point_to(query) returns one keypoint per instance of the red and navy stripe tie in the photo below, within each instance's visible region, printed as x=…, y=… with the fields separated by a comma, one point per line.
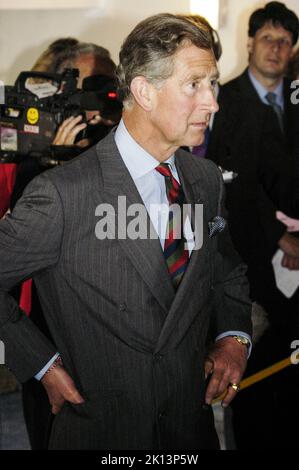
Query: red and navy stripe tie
x=176, y=256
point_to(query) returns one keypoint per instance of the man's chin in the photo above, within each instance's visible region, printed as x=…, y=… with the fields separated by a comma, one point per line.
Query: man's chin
x=197, y=142
x=194, y=139
x=273, y=73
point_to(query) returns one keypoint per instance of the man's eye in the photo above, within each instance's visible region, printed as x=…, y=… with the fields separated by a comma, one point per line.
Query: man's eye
x=284, y=42
x=192, y=87
x=214, y=82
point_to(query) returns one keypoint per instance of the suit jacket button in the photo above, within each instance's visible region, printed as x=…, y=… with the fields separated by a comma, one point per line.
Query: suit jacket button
x=158, y=357
x=122, y=307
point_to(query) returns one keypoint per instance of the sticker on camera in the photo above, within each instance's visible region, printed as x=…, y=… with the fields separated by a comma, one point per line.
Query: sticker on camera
x=8, y=137
x=32, y=115
x=31, y=129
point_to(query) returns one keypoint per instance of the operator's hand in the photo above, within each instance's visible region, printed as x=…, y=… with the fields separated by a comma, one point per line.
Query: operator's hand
x=226, y=363
x=60, y=388
x=68, y=131
x=94, y=117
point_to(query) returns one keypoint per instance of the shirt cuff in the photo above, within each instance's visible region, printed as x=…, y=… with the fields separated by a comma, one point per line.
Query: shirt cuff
x=41, y=373
x=236, y=333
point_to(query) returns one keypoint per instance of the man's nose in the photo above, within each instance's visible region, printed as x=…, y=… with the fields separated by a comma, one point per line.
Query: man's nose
x=214, y=104
x=275, y=45
x=206, y=100
x=211, y=101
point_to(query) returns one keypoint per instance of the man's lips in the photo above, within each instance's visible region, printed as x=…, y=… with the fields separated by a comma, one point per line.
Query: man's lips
x=200, y=125
x=273, y=61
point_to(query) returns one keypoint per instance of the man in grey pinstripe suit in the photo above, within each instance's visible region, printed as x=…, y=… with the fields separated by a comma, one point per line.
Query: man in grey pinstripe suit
x=128, y=364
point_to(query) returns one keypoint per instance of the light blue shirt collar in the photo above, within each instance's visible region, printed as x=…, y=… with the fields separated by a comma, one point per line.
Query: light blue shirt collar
x=262, y=91
x=137, y=160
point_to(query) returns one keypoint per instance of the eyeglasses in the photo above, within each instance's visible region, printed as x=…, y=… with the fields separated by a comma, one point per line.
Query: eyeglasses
x=281, y=43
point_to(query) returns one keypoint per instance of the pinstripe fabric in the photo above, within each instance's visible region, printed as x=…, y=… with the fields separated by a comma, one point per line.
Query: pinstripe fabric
x=133, y=347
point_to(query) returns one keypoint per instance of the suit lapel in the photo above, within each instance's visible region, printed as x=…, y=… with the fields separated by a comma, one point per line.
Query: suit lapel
x=145, y=254
x=193, y=196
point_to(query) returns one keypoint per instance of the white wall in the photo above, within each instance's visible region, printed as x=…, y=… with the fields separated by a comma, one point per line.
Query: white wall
x=24, y=34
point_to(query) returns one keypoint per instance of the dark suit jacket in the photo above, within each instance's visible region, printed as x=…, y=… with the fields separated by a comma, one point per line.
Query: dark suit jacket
x=134, y=348
x=296, y=165
x=246, y=138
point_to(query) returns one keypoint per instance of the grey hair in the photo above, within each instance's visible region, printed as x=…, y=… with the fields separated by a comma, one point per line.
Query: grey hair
x=150, y=48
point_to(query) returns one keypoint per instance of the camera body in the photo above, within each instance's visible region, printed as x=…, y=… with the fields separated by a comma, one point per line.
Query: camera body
x=29, y=121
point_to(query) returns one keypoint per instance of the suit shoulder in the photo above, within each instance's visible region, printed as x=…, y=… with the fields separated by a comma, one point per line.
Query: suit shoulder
x=85, y=168
x=205, y=165
x=199, y=167
x=237, y=85
x=232, y=84
x=76, y=171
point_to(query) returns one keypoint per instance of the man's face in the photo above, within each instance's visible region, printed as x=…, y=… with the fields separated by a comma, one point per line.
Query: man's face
x=88, y=64
x=184, y=103
x=270, y=51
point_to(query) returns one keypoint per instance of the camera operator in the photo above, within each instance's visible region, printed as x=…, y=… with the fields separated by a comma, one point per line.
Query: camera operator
x=90, y=60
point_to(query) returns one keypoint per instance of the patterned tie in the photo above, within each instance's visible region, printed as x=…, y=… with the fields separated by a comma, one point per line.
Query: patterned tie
x=175, y=254
x=271, y=98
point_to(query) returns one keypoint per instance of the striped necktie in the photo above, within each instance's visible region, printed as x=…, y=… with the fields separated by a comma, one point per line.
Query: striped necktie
x=176, y=256
x=272, y=100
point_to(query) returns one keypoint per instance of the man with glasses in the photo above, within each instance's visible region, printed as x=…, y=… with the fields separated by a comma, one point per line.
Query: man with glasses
x=253, y=135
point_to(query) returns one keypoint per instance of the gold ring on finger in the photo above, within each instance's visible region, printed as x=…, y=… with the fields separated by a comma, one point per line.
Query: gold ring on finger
x=235, y=387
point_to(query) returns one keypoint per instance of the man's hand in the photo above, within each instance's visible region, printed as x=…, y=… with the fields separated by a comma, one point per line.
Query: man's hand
x=290, y=247
x=226, y=363
x=289, y=262
x=60, y=388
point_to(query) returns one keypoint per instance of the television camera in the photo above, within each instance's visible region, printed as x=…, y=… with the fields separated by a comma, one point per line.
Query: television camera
x=38, y=103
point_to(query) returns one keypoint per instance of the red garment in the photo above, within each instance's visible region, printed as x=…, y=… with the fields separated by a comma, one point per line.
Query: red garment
x=7, y=181
x=25, y=297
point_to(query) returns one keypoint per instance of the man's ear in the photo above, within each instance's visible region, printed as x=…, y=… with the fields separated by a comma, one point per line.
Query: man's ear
x=250, y=45
x=141, y=89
